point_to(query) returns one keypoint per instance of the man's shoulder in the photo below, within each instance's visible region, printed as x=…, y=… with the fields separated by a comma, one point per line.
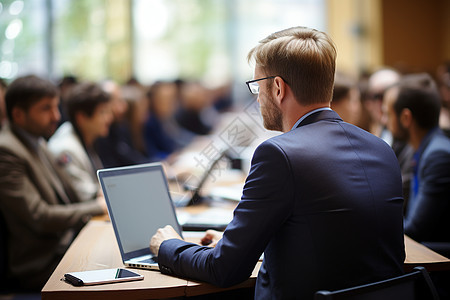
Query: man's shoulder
x=317, y=129
x=9, y=141
x=5, y=133
x=278, y=141
x=441, y=140
x=285, y=144
x=13, y=151
x=438, y=145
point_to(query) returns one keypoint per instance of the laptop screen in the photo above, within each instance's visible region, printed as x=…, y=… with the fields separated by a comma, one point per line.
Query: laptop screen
x=138, y=203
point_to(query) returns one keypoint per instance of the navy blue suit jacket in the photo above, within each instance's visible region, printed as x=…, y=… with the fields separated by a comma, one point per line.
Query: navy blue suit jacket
x=324, y=204
x=427, y=218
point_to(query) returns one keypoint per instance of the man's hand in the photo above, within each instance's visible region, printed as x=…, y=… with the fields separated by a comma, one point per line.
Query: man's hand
x=101, y=200
x=160, y=236
x=211, y=238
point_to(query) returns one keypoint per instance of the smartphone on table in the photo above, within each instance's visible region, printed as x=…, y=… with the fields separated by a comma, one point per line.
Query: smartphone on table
x=101, y=276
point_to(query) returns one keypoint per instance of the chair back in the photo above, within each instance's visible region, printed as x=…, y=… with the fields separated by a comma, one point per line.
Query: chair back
x=416, y=285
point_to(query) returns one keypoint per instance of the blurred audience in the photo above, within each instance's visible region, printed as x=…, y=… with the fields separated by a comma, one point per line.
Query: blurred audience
x=118, y=149
x=413, y=115
x=65, y=85
x=222, y=99
x=377, y=84
x=41, y=209
x=363, y=83
x=89, y=117
x=346, y=98
x=137, y=114
x=196, y=113
x=159, y=130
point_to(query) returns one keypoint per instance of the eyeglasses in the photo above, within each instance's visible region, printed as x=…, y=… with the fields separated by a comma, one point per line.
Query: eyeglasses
x=253, y=86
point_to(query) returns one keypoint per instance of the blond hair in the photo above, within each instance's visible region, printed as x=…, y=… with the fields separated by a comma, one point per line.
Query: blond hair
x=305, y=58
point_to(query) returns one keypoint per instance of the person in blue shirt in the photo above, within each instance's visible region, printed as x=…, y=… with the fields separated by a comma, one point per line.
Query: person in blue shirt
x=413, y=108
x=160, y=131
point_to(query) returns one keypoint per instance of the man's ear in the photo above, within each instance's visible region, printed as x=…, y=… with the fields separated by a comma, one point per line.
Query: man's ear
x=279, y=89
x=406, y=118
x=18, y=115
x=80, y=118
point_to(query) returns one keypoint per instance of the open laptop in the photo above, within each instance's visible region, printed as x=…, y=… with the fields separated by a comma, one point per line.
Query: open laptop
x=139, y=203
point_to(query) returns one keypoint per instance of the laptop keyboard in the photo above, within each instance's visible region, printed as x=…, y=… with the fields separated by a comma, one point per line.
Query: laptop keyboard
x=151, y=260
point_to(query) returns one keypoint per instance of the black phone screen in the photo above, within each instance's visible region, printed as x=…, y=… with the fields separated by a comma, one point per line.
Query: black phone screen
x=101, y=276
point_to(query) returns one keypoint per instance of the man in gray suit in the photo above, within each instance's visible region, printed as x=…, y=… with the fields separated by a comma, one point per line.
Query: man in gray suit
x=41, y=210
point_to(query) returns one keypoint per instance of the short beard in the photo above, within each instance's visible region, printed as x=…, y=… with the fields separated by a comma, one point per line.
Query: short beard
x=272, y=116
x=402, y=133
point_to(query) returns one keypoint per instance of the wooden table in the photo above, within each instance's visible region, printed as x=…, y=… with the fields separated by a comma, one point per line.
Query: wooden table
x=96, y=248
x=419, y=255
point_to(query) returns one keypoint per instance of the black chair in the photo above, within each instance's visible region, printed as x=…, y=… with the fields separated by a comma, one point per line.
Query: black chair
x=8, y=288
x=415, y=285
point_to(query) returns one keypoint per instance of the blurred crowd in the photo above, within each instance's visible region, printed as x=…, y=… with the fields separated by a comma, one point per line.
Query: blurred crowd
x=105, y=124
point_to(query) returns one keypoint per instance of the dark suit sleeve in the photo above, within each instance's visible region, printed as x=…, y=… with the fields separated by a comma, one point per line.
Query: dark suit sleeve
x=432, y=200
x=266, y=203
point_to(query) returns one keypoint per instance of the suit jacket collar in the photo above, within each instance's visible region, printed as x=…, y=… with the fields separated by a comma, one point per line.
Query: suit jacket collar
x=29, y=140
x=319, y=116
x=15, y=142
x=427, y=139
x=12, y=139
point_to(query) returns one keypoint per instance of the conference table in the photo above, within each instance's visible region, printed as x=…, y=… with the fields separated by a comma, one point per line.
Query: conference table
x=95, y=248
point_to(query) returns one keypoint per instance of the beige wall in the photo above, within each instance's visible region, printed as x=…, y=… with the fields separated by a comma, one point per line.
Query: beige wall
x=413, y=35
x=355, y=26
x=118, y=38
x=414, y=32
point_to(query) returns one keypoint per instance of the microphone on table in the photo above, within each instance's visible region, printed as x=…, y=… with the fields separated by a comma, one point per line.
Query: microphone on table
x=196, y=197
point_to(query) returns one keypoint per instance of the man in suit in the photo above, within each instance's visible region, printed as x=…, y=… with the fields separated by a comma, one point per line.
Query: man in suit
x=314, y=201
x=40, y=208
x=413, y=108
